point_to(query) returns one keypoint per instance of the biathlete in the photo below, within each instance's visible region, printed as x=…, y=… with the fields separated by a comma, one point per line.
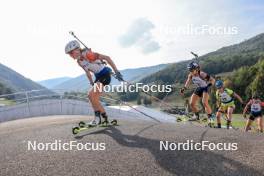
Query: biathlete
x=93, y=62
x=202, y=81
x=255, y=105
x=225, y=103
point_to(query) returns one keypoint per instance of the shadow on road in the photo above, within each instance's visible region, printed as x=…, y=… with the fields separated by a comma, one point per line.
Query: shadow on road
x=182, y=162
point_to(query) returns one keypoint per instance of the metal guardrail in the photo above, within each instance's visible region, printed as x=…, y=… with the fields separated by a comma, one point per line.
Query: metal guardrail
x=33, y=95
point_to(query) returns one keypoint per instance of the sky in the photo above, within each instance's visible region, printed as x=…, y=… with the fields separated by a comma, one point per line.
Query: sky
x=137, y=33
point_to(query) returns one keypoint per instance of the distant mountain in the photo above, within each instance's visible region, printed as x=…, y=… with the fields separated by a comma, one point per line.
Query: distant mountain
x=51, y=83
x=136, y=74
x=15, y=81
x=80, y=83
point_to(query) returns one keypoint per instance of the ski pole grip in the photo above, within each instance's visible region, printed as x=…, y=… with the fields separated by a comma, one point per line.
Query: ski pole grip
x=71, y=32
x=195, y=55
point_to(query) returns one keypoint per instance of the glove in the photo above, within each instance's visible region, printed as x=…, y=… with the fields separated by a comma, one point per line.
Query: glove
x=182, y=90
x=118, y=76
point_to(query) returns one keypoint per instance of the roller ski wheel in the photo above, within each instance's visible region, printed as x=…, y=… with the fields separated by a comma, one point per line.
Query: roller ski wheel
x=179, y=120
x=82, y=124
x=75, y=130
x=204, y=120
x=114, y=122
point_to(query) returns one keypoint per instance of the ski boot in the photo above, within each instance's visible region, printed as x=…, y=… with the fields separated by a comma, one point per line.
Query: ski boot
x=228, y=124
x=95, y=122
x=196, y=117
x=211, y=118
x=211, y=123
x=219, y=125
x=105, y=119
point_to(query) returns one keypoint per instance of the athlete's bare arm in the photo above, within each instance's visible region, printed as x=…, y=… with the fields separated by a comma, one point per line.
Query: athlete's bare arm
x=246, y=108
x=187, y=83
x=238, y=97
x=89, y=76
x=108, y=60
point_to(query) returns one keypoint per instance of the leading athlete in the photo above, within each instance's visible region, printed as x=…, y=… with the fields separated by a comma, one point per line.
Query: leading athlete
x=94, y=63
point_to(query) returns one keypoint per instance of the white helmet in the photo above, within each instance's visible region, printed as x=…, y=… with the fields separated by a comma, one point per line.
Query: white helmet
x=72, y=45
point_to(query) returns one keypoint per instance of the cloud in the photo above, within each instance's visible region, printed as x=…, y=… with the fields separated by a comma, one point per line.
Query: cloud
x=150, y=46
x=139, y=35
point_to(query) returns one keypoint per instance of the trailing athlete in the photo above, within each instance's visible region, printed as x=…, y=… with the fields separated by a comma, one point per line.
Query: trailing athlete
x=225, y=103
x=255, y=105
x=202, y=81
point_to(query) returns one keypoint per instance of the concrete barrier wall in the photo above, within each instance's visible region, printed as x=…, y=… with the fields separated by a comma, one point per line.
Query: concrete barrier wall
x=57, y=107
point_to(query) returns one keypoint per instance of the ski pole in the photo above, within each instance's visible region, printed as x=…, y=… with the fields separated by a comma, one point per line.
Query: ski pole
x=71, y=32
x=131, y=106
x=196, y=56
x=156, y=98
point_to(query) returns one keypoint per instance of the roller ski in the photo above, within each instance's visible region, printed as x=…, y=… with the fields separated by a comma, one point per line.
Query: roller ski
x=196, y=118
x=205, y=121
x=97, y=122
x=84, y=126
x=211, y=122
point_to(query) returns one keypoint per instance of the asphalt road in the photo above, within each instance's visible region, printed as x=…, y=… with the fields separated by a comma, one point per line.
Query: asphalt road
x=132, y=148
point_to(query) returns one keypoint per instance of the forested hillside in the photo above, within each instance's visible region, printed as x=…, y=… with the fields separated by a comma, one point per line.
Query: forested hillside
x=226, y=59
x=241, y=65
